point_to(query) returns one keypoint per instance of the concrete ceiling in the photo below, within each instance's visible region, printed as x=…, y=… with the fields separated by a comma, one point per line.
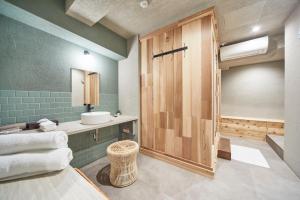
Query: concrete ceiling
x=129, y=16
x=89, y=11
x=235, y=17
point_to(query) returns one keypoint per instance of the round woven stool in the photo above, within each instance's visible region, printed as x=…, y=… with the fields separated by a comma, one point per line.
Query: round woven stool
x=123, y=168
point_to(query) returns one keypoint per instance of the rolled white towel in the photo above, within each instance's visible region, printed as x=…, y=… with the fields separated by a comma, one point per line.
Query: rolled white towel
x=46, y=128
x=32, y=163
x=14, y=143
x=47, y=125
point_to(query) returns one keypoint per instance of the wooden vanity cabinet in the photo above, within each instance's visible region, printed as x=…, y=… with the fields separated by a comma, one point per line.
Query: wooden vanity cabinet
x=179, y=93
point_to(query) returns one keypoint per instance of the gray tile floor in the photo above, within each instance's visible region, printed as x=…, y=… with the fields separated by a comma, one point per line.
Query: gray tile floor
x=234, y=179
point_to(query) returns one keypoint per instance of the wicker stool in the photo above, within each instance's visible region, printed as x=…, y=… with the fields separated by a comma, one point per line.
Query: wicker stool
x=122, y=156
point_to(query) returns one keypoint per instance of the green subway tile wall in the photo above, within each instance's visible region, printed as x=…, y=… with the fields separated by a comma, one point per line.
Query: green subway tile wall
x=86, y=149
x=35, y=82
x=16, y=107
x=28, y=106
x=32, y=60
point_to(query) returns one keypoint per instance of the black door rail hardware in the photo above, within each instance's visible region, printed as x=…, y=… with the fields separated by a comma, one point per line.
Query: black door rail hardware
x=169, y=52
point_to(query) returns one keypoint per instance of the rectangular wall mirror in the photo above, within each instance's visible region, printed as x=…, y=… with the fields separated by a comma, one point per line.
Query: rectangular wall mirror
x=85, y=87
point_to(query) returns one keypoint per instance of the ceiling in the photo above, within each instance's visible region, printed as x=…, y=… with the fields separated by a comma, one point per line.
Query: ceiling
x=235, y=17
x=136, y=20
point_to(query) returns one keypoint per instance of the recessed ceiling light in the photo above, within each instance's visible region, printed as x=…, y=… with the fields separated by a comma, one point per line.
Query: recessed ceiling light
x=255, y=28
x=144, y=3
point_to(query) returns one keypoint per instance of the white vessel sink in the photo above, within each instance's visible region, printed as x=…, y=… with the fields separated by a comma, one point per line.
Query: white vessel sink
x=91, y=118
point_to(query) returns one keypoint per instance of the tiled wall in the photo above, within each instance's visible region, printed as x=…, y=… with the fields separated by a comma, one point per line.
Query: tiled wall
x=86, y=149
x=28, y=106
x=35, y=82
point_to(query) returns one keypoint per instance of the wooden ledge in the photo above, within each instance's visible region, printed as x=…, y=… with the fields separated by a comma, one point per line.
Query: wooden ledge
x=253, y=119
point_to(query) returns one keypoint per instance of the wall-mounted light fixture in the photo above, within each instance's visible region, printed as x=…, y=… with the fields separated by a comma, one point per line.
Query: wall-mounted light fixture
x=87, y=59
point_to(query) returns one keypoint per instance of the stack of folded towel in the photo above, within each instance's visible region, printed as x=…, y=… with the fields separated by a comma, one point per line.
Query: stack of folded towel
x=27, y=154
x=47, y=125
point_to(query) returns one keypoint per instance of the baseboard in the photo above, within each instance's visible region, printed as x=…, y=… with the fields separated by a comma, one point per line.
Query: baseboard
x=199, y=169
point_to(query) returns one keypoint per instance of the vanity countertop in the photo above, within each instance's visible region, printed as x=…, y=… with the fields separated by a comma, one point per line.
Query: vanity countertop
x=75, y=127
x=67, y=185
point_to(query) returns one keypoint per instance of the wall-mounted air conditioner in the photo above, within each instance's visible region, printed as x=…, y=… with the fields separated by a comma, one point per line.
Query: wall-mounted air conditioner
x=244, y=49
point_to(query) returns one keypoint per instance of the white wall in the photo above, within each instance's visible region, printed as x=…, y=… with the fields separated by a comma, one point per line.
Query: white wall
x=292, y=91
x=129, y=80
x=255, y=90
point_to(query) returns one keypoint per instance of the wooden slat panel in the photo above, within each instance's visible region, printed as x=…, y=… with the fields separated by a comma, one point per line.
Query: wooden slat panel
x=176, y=93
x=178, y=147
x=250, y=128
x=87, y=99
x=250, y=122
x=206, y=68
x=160, y=139
x=167, y=39
x=144, y=121
x=244, y=134
x=162, y=85
x=195, y=58
x=178, y=75
x=244, y=126
x=205, y=142
x=150, y=114
x=276, y=131
x=195, y=152
x=94, y=89
x=170, y=122
x=186, y=147
x=275, y=124
x=144, y=57
x=156, y=93
x=149, y=55
x=169, y=65
x=186, y=84
x=144, y=117
x=170, y=142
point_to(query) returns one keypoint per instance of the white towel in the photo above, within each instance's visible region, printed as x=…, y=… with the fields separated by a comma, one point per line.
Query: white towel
x=32, y=163
x=47, y=125
x=14, y=143
x=46, y=128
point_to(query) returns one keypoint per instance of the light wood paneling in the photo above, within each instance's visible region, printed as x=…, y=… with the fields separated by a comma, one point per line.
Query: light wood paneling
x=250, y=127
x=87, y=94
x=91, y=88
x=177, y=92
x=94, y=89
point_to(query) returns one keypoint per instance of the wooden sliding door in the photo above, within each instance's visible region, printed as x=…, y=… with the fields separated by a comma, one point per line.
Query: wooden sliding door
x=177, y=92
